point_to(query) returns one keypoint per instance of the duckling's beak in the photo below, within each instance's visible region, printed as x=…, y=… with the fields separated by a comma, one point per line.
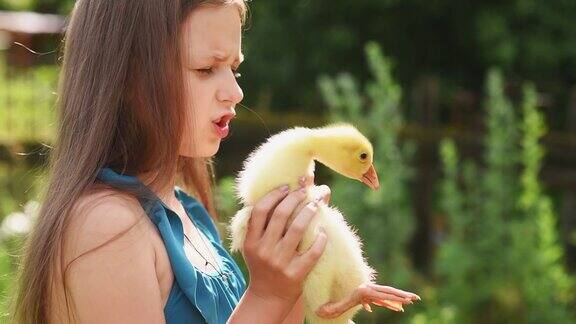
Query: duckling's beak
x=370, y=178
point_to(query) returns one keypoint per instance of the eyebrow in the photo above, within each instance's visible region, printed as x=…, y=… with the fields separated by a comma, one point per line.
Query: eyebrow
x=220, y=56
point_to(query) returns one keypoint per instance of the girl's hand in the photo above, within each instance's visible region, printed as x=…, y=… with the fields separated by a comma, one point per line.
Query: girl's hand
x=276, y=268
x=321, y=192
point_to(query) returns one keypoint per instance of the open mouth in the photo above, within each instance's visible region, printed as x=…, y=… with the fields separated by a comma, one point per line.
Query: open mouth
x=222, y=122
x=221, y=128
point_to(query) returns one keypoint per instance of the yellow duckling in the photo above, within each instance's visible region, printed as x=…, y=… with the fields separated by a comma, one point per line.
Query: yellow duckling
x=341, y=279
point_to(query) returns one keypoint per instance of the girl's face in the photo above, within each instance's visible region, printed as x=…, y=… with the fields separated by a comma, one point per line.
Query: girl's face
x=212, y=42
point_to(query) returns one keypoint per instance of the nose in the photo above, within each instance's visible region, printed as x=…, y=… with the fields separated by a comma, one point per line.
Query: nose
x=230, y=91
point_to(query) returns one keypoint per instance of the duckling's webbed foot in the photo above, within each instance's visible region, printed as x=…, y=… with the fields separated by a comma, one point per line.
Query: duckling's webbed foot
x=366, y=294
x=334, y=309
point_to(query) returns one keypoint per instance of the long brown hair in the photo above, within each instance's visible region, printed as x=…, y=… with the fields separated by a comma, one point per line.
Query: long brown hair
x=120, y=102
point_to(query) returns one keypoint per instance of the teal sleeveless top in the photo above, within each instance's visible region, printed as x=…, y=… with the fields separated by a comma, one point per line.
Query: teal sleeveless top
x=195, y=296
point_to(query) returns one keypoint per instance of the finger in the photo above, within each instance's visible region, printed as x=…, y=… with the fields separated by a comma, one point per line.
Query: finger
x=301, y=206
x=296, y=211
x=280, y=216
x=392, y=290
x=306, y=180
x=270, y=213
x=261, y=210
x=321, y=192
x=324, y=193
x=304, y=263
x=296, y=230
x=303, y=181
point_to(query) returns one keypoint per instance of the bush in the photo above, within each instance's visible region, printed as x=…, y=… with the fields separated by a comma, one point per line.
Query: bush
x=501, y=261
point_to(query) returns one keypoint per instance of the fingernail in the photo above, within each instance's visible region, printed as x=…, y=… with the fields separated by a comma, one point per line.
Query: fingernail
x=302, y=179
x=284, y=188
x=303, y=190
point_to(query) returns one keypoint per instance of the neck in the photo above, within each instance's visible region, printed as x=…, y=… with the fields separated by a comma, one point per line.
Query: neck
x=317, y=147
x=321, y=146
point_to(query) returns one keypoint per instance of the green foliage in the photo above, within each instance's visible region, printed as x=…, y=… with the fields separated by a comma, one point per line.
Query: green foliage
x=26, y=117
x=501, y=260
x=289, y=43
x=225, y=199
x=49, y=6
x=546, y=284
x=6, y=280
x=18, y=184
x=454, y=262
x=27, y=104
x=384, y=217
x=10, y=249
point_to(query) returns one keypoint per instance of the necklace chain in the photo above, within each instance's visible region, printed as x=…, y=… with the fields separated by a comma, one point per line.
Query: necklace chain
x=220, y=273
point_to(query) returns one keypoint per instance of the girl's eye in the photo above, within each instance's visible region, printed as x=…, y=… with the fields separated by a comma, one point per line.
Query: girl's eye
x=208, y=71
x=205, y=71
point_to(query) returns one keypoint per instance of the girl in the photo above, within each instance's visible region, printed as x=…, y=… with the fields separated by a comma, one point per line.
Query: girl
x=146, y=93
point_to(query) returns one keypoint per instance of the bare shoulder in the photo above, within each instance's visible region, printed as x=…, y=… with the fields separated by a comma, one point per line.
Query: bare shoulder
x=110, y=261
x=102, y=216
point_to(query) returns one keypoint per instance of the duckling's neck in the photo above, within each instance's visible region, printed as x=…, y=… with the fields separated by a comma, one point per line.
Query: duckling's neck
x=321, y=147
x=310, y=146
x=303, y=151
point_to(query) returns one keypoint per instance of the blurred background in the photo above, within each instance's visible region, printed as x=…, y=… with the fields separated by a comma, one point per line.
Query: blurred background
x=470, y=105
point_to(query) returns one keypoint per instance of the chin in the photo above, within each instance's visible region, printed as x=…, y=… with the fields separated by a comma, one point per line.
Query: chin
x=215, y=151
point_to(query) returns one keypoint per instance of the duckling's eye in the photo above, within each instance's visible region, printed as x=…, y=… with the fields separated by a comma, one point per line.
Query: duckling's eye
x=363, y=156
